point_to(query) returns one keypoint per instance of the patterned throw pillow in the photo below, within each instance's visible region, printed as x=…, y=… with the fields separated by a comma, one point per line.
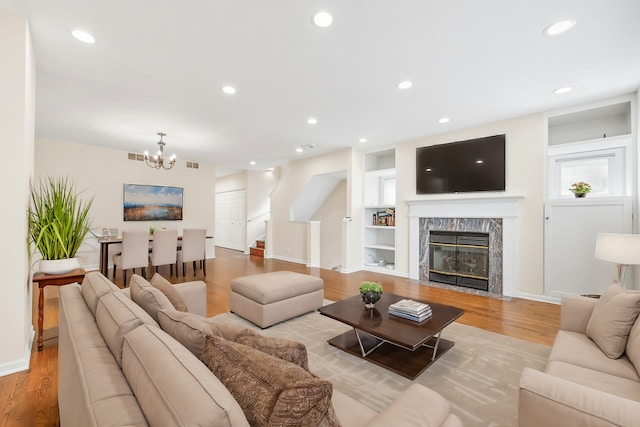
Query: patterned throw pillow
x=162, y=284
x=270, y=391
x=284, y=349
x=612, y=318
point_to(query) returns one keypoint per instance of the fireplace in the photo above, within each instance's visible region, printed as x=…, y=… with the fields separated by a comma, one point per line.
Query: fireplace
x=459, y=258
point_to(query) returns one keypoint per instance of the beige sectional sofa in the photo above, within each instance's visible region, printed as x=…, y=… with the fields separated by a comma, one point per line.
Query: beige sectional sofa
x=591, y=377
x=117, y=367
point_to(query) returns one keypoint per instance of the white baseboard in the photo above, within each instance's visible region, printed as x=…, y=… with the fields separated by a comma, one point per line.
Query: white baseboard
x=349, y=270
x=541, y=298
x=297, y=261
x=21, y=364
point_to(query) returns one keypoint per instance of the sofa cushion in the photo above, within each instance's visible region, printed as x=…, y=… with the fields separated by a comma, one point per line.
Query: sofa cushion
x=612, y=318
x=633, y=345
x=284, y=349
x=577, y=349
x=148, y=297
x=188, y=329
x=94, y=286
x=172, y=386
x=117, y=315
x=608, y=383
x=164, y=286
x=270, y=391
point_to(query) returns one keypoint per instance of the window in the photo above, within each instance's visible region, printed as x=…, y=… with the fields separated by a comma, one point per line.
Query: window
x=603, y=164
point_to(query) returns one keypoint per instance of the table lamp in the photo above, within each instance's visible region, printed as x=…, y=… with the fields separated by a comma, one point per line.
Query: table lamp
x=623, y=249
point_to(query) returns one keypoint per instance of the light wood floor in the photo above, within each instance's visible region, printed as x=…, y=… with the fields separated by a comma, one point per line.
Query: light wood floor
x=29, y=398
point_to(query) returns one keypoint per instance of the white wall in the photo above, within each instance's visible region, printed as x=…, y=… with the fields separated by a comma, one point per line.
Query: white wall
x=290, y=239
x=525, y=177
x=235, y=182
x=101, y=172
x=17, y=86
x=330, y=216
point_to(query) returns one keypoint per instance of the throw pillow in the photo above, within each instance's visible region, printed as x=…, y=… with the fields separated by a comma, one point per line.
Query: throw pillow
x=612, y=318
x=633, y=345
x=188, y=329
x=162, y=284
x=270, y=391
x=148, y=297
x=284, y=349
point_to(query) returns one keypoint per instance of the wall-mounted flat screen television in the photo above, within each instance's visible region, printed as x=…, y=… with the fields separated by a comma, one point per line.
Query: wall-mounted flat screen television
x=152, y=203
x=463, y=166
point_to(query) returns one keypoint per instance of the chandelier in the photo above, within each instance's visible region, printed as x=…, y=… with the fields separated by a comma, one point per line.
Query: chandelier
x=157, y=161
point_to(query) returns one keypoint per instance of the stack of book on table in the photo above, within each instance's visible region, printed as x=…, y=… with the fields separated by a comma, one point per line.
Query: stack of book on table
x=412, y=310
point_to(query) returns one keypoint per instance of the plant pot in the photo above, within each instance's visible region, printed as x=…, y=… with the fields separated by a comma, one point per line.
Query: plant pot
x=581, y=195
x=370, y=298
x=58, y=266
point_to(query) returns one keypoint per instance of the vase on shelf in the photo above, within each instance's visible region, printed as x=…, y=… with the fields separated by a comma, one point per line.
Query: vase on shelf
x=581, y=195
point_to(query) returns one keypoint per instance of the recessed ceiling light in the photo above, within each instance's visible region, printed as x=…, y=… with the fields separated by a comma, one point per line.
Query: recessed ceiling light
x=559, y=27
x=312, y=120
x=322, y=19
x=229, y=90
x=405, y=84
x=252, y=163
x=427, y=170
x=83, y=36
x=479, y=162
x=362, y=140
x=563, y=90
x=299, y=150
x=444, y=120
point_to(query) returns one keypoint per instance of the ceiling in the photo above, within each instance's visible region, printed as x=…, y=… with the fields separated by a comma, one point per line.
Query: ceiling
x=159, y=66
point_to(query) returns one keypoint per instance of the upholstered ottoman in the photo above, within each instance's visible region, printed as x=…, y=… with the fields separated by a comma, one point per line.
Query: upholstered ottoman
x=269, y=298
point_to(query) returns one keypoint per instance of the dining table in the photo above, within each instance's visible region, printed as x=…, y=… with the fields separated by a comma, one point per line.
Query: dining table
x=106, y=241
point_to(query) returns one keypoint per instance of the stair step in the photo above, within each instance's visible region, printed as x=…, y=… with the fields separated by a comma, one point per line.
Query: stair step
x=258, y=252
x=260, y=244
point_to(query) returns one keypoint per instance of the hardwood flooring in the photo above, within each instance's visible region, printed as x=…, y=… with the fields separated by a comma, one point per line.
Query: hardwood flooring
x=29, y=398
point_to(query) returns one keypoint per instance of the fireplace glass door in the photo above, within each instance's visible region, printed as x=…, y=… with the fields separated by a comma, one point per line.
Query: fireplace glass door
x=459, y=259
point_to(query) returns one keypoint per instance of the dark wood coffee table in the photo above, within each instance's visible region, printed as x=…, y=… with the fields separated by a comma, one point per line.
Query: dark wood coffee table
x=402, y=346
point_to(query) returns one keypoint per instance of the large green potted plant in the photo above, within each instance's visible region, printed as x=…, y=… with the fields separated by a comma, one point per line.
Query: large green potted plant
x=58, y=221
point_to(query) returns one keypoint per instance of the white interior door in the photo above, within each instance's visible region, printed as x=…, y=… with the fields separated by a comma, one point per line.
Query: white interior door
x=571, y=228
x=231, y=219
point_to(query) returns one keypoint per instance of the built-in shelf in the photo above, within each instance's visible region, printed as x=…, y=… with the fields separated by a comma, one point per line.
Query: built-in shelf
x=379, y=243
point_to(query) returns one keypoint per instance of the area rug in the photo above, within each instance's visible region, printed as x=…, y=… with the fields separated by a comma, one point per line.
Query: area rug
x=479, y=375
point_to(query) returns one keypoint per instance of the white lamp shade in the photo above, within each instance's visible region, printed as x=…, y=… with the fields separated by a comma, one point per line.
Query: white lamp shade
x=618, y=248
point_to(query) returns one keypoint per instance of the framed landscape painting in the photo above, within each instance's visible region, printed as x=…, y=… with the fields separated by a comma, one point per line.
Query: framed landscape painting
x=152, y=203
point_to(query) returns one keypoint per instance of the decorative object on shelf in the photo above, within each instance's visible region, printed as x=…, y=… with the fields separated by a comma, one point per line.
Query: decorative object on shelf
x=151, y=230
x=580, y=189
x=370, y=293
x=58, y=221
x=623, y=249
x=157, y=161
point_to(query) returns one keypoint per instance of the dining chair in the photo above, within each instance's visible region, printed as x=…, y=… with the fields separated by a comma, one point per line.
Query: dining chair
x=193, y=249
x=135, y=253
x=164, y=249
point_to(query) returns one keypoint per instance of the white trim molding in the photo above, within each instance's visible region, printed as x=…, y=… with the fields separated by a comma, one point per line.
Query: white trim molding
x=21, y=364
x=492, y=206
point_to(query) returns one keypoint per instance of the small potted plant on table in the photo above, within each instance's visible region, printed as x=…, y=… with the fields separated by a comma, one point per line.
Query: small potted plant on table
x=371, y=293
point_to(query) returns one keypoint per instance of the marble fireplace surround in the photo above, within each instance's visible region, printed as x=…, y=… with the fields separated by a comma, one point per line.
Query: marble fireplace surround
x=489, y=207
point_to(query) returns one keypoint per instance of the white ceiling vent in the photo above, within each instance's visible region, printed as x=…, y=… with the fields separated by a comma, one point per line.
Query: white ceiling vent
x=193, y=165
x=135, y=156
